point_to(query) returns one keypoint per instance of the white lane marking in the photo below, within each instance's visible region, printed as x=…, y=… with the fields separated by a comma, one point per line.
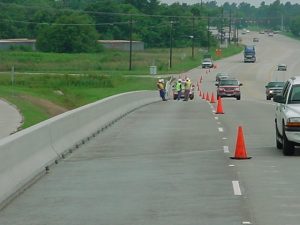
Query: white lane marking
x=236, y=187
x=216, y=118
x=231, y=165
x=226, y=149
x=221, y=129
x=246, y=222
x=224, y=138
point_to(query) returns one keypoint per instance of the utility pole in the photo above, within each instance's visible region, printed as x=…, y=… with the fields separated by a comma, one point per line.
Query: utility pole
x=130, y=45
x=171, y=42
x=236, y=29
x=229, y=35
x=222, y=21
x=237, y=32
x=282, y=27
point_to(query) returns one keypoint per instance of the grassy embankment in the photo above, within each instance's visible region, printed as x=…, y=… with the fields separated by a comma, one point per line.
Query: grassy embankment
x=102, y=75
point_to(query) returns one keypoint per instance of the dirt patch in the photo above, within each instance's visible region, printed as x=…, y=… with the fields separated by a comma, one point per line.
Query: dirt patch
x=51, y=108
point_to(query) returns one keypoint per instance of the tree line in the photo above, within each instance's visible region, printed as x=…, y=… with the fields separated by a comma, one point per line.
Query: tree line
x=76, y=25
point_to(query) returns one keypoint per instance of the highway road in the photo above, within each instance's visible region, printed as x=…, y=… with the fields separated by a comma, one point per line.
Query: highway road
x=10, y=119
x=169, y=163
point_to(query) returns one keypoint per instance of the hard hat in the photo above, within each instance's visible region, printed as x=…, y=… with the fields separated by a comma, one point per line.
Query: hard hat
x=179, y=80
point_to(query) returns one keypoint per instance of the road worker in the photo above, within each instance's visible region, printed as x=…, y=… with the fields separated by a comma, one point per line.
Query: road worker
x=178, y=89
x=161, y=88
x=187, y=89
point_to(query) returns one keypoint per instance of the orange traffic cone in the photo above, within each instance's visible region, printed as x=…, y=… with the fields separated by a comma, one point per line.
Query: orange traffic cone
x=207, y=96
x=212, y=99
x=219, y=106
x=240, y=149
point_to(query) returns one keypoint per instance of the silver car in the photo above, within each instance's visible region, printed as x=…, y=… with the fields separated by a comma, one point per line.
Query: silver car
x=282, y=67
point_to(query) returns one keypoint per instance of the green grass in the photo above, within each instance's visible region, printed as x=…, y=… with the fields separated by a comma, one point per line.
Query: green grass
x=78, y=92
x=105, y=63
x=103, y=76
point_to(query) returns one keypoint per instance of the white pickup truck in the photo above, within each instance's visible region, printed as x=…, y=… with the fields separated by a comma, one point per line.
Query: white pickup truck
x=287, y=121
x=207, y=63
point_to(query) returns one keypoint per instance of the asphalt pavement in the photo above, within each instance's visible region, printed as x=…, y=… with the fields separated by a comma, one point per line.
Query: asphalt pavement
x=10, y=119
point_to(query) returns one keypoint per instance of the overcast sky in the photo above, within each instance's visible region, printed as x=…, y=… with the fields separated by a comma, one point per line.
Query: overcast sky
x=220, y=2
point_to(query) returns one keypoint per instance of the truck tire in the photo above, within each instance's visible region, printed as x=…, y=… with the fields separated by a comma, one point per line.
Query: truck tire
x=238, y=98
x=288, y=148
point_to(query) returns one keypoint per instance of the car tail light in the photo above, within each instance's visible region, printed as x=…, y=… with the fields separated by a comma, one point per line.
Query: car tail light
x=293, y=122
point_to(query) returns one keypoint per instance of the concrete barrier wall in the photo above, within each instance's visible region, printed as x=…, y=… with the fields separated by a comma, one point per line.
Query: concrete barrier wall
x=25, y=154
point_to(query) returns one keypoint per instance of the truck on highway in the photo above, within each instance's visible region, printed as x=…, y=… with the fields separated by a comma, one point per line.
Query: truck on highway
x=249, y=53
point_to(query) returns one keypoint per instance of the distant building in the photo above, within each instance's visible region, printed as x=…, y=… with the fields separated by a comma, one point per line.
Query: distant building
x=122, y=45
x=6, y=44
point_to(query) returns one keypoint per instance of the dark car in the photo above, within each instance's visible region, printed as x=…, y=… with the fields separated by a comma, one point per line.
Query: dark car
x=273, y=88
x=229, y=88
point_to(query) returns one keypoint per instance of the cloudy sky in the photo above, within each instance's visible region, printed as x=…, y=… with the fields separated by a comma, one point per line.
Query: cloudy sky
x=220, y=2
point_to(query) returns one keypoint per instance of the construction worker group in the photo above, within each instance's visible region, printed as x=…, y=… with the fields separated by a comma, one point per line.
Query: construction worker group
x=183, y=88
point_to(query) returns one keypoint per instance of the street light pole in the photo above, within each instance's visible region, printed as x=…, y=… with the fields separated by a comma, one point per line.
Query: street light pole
x=171, y=42
x=208, y=33
x=193, y=38
x=130, y=45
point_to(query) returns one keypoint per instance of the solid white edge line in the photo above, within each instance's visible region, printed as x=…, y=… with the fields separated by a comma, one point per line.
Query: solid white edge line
x=236, y=187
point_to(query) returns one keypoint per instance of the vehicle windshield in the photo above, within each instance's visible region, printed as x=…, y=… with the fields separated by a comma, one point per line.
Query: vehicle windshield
x=229, y=83
x=275, y=84
x=295, y=94
x=207, y=60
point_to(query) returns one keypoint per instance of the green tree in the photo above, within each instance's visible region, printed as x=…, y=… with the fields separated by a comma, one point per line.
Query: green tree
x=70, y=33
x=295, y=26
